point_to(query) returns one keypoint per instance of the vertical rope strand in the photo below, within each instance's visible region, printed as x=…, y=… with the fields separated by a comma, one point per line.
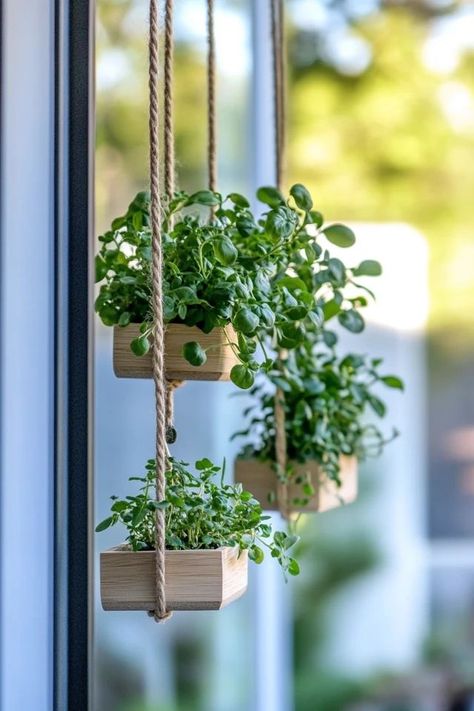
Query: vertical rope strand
x=160, y=612
x=169, y=161
x=277, y=43
x=211, y=98
x=169, y=169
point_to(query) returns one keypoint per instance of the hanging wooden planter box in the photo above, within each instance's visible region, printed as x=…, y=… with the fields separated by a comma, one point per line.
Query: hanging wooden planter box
x=261, y=480
x=220, y=356
x=195, y=579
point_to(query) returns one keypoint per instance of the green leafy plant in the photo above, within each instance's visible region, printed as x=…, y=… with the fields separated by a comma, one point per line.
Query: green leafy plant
x=327, y=402
x=270, y=278
x=199, y=513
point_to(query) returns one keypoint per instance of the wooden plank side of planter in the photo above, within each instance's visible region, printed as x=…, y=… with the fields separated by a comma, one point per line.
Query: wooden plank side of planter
x=220, y=356
x=195, y=580
x=260, y=479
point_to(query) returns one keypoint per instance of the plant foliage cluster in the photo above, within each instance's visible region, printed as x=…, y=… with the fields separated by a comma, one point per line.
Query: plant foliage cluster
x=275, y=282
x=270, y=278
x=200, y=513
x=327, y=402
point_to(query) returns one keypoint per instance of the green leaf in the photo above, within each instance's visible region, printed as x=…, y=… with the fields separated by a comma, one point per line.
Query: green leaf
x=239, y=200
x=203, y=464
x=302, y=197
x=256, y=554
x=225, y=251
x=329, y=338
x=280, y=223
x=140, y=346
x=292, y=283
x=124, y=319
x=393, y=382
x=242, y=376
x=203, y=197
x=337, y=269
x=138, y=516
x=101, y=268
x=246, y=321
x=270, y=196
x=194, y=353
x=340, y=235
x=377, y=405
x=330, y=309
x=351, y=320
x=106, y=523
x=293, y=567
x=369, y=267
x=316, y=218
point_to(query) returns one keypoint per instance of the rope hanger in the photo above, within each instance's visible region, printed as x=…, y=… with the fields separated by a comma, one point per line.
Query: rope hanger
x=277, y=44
x=160, y=611
x=163, y=388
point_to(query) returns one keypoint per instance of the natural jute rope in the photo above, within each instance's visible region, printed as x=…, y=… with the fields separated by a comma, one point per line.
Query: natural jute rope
x=160, y=612
x=169, y=174
x=211, y=98
x=169, y=162
x=277, y=42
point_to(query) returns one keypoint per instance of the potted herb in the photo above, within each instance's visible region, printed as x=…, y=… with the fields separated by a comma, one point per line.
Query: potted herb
x=211, y=529
x=232, y=283
x=327, y=403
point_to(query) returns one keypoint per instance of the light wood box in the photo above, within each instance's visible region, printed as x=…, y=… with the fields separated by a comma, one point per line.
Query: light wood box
x=220, y=358
x=261, y=480
x=195, y=579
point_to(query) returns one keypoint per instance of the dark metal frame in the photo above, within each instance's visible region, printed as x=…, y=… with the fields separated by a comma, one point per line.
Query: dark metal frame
x=73, y=403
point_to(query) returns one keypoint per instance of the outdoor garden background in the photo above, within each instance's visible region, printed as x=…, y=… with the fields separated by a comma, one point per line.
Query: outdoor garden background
x=381, y=130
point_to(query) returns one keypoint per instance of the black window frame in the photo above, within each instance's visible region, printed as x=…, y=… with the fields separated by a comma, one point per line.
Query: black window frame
x=74, y=145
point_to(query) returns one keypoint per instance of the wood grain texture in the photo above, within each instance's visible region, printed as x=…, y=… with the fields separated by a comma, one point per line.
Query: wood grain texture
x=220, y=356
x=260, y=479
x=195, y=580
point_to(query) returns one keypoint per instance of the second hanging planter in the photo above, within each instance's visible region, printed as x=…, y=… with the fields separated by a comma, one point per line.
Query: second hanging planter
x=308, y=488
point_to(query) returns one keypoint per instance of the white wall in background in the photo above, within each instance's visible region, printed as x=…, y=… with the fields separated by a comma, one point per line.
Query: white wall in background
x=381, y=622
x=27, y=356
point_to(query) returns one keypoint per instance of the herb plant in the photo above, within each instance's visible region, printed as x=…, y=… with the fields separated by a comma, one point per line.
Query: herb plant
x=200, y=513
x=327, y=402
x=270, y=278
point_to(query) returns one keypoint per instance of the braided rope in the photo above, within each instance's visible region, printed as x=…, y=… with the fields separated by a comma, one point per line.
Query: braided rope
x=277, y=43
x=160, y=612
x=280, y=454
x=211, y=98
x=169, y=162
x=169, y=172
x=278, y=62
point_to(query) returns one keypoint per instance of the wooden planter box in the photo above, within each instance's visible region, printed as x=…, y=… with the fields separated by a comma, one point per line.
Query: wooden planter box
x=220, y=358
x=261, y=480
x=195, y=579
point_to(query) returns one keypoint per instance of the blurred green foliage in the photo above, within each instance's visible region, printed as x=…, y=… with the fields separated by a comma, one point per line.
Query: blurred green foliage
x=392, y=143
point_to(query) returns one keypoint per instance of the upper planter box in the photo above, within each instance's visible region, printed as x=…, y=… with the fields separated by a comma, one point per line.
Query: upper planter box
x=220, y=356
x=195, y=579
x=261, y=480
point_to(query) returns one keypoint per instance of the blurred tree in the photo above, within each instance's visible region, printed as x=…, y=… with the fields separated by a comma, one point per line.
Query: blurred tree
x=389, y=143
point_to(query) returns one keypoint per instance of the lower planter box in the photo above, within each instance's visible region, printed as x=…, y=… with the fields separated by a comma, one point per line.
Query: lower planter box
x=220, y=356
x=195, y=579
x=261, y=480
